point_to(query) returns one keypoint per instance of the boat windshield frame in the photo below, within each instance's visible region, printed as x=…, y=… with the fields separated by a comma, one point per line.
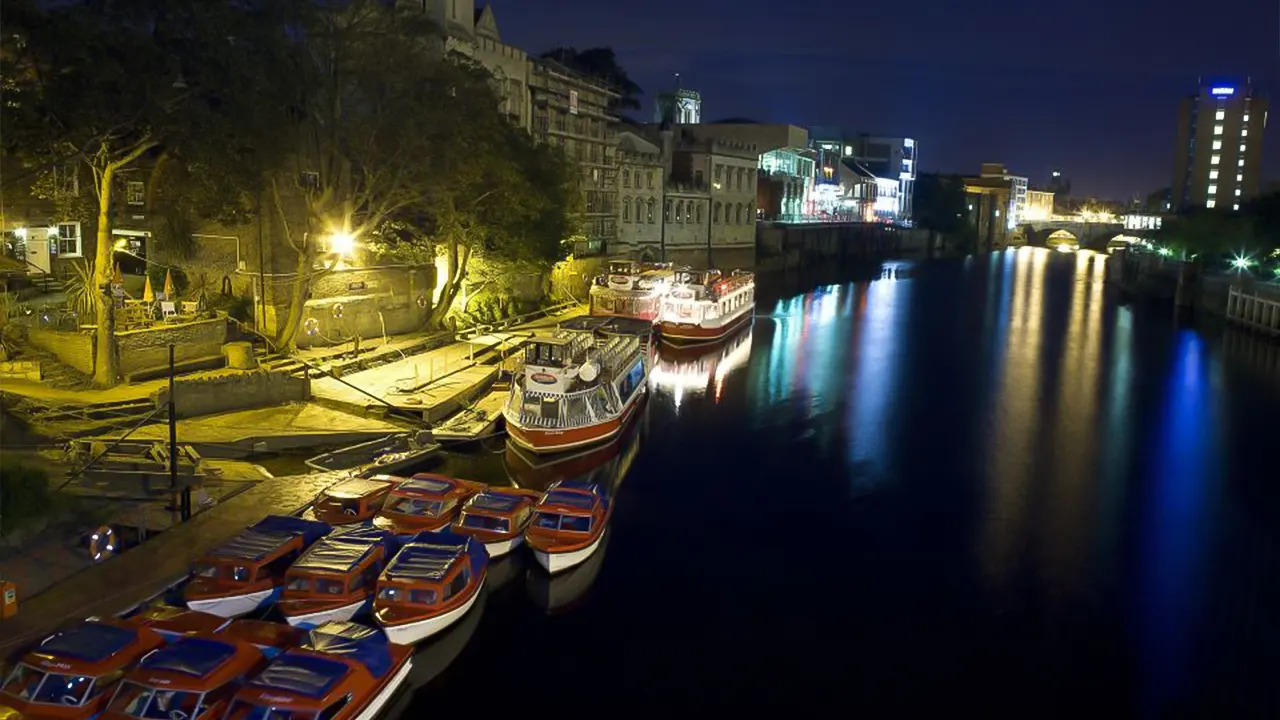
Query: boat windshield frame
x=152, y=692
x=434, y=507
x=35, y=697
x=591, y=521
x=503, y=521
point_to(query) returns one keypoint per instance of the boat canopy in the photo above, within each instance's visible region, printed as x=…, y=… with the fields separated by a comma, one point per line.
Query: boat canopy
x=302, y=673
x=340, y=552
x=194, y=656
x=429, y=556
x=426, y=485
x=496, y=502
x=268, y=535
x=354, y=641
x=88, y=641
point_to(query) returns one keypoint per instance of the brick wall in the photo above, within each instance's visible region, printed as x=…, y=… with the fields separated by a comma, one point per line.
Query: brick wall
x=20, y=370
x=374, y=300
x=149, y=349
x=72, y=347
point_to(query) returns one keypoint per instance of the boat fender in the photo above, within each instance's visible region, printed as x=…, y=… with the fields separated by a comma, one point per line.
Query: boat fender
x=102, y=543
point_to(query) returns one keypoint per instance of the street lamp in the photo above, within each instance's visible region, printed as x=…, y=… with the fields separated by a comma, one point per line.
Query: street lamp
x=343, y=243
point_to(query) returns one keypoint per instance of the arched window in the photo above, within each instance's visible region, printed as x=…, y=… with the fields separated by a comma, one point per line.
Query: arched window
x=698, y=212
x=737, y=214
x=715, y=216
x=652, y=202
x=688, y=211
x=742, y=178
x=666, y=213
x=626, y=177
x=626, y=209
x=751, y=212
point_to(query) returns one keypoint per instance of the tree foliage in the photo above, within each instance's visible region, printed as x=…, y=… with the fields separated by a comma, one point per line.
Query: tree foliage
x=600, y=63
x=940, y=206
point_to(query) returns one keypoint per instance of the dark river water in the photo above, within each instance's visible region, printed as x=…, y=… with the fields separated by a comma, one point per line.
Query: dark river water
x=987, y=485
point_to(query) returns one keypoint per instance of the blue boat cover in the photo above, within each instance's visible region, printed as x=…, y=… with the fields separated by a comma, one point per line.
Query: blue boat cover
x=496, y=502
x=303, y=674
x=429, y=485
x=192, y=656
x=269, y=534
x=345, y=549
x=354, y=641
x=88, y=641
x=428, y=556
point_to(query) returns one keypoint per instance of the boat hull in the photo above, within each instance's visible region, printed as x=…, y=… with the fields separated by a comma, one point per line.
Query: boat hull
x=502, y=547
x=235, y=605
x=418, y=630
x=687, y=335
x=555, y=562
x=340, y=614
x=540, y=440
x=387, y=692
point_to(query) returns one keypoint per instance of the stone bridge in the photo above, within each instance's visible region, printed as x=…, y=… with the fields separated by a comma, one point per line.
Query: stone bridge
x=1091, y=235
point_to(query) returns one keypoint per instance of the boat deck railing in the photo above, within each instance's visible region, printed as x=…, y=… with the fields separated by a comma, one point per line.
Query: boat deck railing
x=527, y=407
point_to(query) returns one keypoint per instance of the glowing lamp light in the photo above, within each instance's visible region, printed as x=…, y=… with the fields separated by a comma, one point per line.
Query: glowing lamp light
x=1241, y=263
x=342, y=243
x=20, y=233
x=1220, y=91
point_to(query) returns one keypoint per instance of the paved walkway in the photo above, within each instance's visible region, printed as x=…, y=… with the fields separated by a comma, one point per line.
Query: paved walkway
x=121, y=582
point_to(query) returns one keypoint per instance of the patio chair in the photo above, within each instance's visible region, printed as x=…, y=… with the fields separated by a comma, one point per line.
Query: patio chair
x=168, y=311
x=190, y=307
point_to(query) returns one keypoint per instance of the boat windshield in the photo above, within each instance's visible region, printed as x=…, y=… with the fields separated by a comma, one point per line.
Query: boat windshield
x=324, y=586
x=416, y=506
x=142, y=701
x=297, y=583
x=242, y=710
x=566, y=523
x=404, y=595
x=485, y=522
x=34, y=685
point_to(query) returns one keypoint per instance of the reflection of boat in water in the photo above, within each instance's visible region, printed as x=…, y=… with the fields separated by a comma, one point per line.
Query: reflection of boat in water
x=434, y=655
x=556, y=593
x=695, y=370
x=505, y=569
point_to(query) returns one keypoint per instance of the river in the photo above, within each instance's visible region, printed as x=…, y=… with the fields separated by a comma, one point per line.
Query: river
x=986, y=484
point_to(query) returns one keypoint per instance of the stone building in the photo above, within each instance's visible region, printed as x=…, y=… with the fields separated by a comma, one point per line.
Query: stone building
x=640, y=205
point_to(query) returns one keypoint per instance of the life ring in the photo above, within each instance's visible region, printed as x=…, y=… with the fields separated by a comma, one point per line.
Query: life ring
x=102, y=543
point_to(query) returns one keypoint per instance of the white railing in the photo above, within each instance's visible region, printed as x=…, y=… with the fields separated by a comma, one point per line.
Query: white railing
x=1253, y=312
x=572, y=409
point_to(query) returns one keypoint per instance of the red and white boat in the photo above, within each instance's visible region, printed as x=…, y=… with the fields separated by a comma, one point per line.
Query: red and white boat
x=334, y=578
x=192, y=679
x=705, y=306
x=353, y=500
x=497, y=517
x=429, y=585
x=576, y=389
x=631, y=289
x=425, y=501
x=570, y=520
x=342, y=671
x=72, y=673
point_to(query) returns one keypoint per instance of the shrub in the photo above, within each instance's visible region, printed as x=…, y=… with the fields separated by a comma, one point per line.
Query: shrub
x=24, y=494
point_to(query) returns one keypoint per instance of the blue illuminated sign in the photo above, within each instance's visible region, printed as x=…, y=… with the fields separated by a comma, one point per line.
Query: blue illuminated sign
x=1223, y=91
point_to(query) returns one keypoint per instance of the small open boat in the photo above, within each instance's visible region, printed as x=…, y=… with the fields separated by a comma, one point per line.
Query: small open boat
x=353, y=500
x=425, y=502
x=389, y=454
x=569, y=522
x=497, y=517
x=72, y=673
x=342, y=671
x=334, y=578
x=246, y=573
x=174, y=622
x=431, y=583
x=192, y=679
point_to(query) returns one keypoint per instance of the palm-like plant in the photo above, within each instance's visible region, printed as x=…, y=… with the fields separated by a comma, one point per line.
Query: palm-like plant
x=81, y=297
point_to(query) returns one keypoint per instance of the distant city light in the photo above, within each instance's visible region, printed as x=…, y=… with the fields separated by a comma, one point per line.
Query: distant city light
x=1164, y=251
x=1223, y=91
x=1241, y=262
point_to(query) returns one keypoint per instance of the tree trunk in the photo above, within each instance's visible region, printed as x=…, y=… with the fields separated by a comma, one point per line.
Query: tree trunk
x=287, y=336
x=456, y=271
x=106, y=366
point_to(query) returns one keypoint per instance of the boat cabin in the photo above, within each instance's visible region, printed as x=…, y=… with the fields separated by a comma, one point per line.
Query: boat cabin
x=497, y=513
x=342, y=670
x=570, y=509
x=72, y=673
x=246, y=572
x=432, y=574
x=354, y=500
x=425, y=502
x=336, y=575
x=192, y=679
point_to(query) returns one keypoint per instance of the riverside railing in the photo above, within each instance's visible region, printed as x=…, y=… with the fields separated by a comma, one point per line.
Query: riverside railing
x=571, y=409
x=1253, y=312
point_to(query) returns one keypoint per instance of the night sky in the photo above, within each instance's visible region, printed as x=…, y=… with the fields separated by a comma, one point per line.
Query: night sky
x=1091, y=86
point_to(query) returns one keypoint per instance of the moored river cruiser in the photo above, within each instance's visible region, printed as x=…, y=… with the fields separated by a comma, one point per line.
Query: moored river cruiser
x=631, y=289
x=705, y=306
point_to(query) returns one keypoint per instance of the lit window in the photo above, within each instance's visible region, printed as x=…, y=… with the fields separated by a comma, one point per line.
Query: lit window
x=1239, y=177
x=1236, y=206
x=1209, y=203
x=1237, y=192
x=1217, y=129
x=1217, y=144
x=848, y=149
x=1213, y=159
x=1213, y=189
x=1213, y=174
x=1246, y=117
x=1221, y=114
x=1240, y=163
x=1244, y=132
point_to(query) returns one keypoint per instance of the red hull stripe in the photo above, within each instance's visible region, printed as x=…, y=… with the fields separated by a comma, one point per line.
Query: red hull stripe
x=675, y=332
x=540, y=440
